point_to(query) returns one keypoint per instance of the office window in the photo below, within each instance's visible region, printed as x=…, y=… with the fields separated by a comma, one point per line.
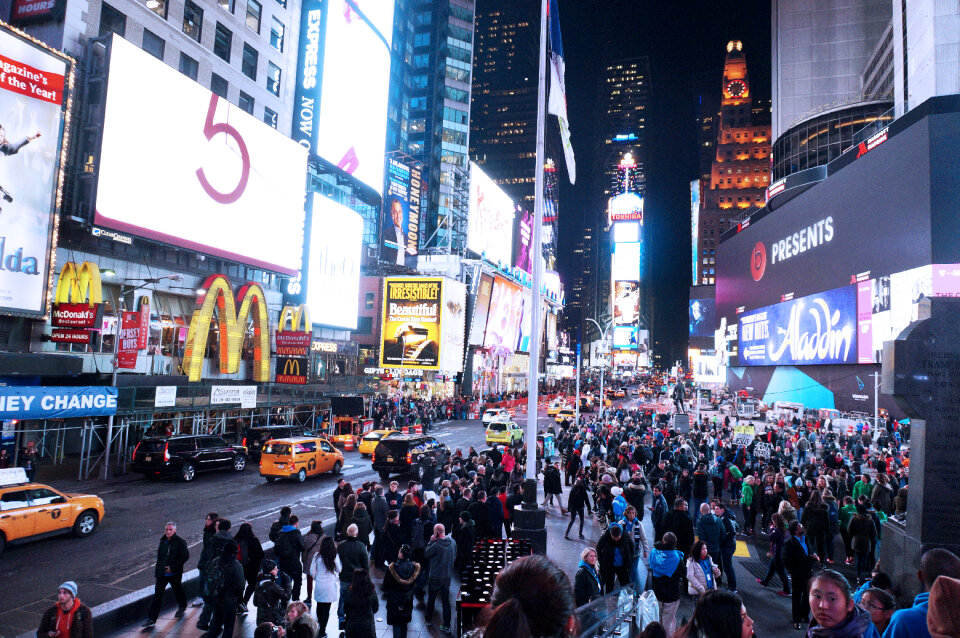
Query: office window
x=250, y=58
x=153, y=44
x=270, y=117
x=246, y=102
x=282, y=3
x=226, y=5
x=273, y=78
x=218, y=85
x=158, y=6
x=111, y=21
x=222, y=42
x=254, y=11
x=189, y=66
x=192, y=20
x=276, y=34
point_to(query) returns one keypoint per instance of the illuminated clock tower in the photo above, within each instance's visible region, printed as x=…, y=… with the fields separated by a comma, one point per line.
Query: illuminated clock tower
x=740, y=172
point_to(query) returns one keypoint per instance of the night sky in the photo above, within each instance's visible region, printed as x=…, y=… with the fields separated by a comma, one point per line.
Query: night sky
x=685, y=41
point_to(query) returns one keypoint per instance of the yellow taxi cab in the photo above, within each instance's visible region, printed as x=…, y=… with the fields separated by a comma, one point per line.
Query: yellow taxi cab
x=370, y=440
x=31, y=511
x=621, y=393
x=555, y=407
x=506, y=432
x=298, y=457
x=566, y=413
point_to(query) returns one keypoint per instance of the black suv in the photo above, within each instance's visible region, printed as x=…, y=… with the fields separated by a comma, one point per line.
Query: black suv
x=184, y=456
x=255, y=437
x=405, y=453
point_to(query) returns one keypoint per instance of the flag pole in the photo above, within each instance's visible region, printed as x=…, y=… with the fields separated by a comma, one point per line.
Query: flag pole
x=533, y=376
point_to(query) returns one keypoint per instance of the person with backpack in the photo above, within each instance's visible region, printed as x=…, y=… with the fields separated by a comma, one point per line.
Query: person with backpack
x=289, y=550
x=728, y=543
x=667, y=569
x=226, y=590
x=272, y=593
x=209, y=559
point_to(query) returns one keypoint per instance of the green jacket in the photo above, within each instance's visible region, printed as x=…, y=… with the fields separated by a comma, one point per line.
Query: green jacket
x=746, y=495
x=861, y=488
x=846, y=513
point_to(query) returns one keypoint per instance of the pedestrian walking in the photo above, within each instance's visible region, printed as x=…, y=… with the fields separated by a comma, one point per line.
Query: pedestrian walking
x=441, y=554
x=251, y=556
x=728, y=543
x=226, y=591
x=863, y=532
x=702, y=572
x=777, y=537
x=311, y=545
x=208, y=566
x=168, y=570
x=398, y=582
x=289, y=550
x=29, y=457
x=325, y=569
x=800, y=563
x=666, y=567
x=578, y=500
x=615, y=553
x=68, y=618
x=360, y=605
x=353, y=557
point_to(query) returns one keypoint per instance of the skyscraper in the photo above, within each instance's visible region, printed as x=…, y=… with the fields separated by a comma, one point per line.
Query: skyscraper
x=624, y=92
x=740, y=170
x=429, y=113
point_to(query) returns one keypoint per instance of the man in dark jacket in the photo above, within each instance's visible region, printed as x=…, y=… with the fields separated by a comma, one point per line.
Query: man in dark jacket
x=283, y=520
x=709, y=529
x=171, y=555
x=666, y=567
x=800, y=563
x=728, y=543
x=441, y=552
x=466, y=539
x=210, y=555
x=272, y=593
x=289, y=549
x=481, y=515
x=615, y=552
x=552, y=485
x=679, y=524
x=495, y=509
x=68, y=612
x=353, y=555
x=659, y=511
x=227, y=592
x=635, y=492
x=701, y=487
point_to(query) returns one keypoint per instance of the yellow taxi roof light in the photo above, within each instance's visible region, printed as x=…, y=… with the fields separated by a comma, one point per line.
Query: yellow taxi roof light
x=13, y=476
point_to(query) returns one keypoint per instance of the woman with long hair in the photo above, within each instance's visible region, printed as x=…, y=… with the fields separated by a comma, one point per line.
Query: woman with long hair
x=300, y=624
x=718, y=614
x=311, y=545
x=702, y=572
x=531, y=597
x=346, y=515
x=251, y=553
x=816, y=521
x=325, y=570
x=359, y=606
x=777, y=536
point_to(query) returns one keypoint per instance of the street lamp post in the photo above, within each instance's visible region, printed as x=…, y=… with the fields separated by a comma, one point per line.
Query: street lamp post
x=124, y=290
x=603, y=367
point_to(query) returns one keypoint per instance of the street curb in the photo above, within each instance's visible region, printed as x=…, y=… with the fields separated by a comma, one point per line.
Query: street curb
x=130, y=608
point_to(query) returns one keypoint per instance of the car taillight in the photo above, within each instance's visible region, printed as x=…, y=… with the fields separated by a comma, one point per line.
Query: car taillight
x=135, y=451
x=409, y=457
x=166, y=452
x=244, y=441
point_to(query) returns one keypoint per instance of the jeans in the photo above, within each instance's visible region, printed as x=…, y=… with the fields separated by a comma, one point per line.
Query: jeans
x=441, y=587
x=161, y=586
x=776, y=565
x=801, y=457
x=726, y=562
x=400, y=630
x=863, y=564
x=344, y=588
x=295, y=571
x=573, y=517
x=800, y=602
x=697, y=502
x=224, y=617
x=323, y=618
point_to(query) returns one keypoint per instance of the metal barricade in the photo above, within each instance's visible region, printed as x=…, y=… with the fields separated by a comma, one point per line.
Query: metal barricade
x=615, y=614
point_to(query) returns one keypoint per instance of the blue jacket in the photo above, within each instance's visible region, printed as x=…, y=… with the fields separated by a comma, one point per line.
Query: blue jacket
x=910, y=623
x=663, y=562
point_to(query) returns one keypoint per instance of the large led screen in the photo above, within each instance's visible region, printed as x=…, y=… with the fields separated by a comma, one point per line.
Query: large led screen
x=203, y=174
x=817, y=329
x=453, y=316
x=503, y=321
x=701, y=318
x=412, y=322
x=343, y=79
x=626, y=261
x=333, y=280
x=625, y=337
x=626, y=303
x=34, y=98
x=523, y=241
x=401, y=213
x=490, y=223
x=481, y=308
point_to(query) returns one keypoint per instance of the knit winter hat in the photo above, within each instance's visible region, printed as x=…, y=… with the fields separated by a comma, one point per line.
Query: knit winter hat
x=943, y=613
x=70, y=586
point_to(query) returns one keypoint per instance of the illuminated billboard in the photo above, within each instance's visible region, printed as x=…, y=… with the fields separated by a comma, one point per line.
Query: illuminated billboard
x=625, y=207
x=206, y=176
x=481, y=308
x=503, y=321
x=522, y=241
x=701, y=318
x=820, y=328
x=626, y=232
x=695, y=228
x=625, y=337
x=343, y=79
x=333, y=272
x=411, y=333
x=453, y=324
x=34, y=104
x=490, y=223
x=626, y=303
x=401, y=213
x=626, y=262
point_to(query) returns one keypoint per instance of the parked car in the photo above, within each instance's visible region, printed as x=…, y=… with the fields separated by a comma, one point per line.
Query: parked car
x=256, y=436
x=298, y=457
x=184, y=456
x=495, y=414
x=508, y=433
x=370, y=440
x=30, y=511
x=405, y=453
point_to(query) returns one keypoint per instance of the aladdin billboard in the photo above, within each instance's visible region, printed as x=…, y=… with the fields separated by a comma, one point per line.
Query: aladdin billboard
x=35, y=102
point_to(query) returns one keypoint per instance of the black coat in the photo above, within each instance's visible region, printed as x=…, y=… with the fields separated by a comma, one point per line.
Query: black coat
x=481, y=518
x=578, y=498
x=359, y=611
x=796, y=561
x=467, y=538
x=398, y=584
x=551, y=481
x=682, y=526
x=172, y=554
x=585, y=587
x=606, y=551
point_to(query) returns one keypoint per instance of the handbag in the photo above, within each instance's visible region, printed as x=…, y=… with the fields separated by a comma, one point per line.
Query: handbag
x=649, y=608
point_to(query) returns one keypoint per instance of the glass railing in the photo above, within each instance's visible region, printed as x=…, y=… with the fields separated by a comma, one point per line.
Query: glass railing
x=615, y=614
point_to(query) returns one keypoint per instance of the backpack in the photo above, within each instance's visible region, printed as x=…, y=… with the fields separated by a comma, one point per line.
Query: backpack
x=735, y=472
x=213, y=584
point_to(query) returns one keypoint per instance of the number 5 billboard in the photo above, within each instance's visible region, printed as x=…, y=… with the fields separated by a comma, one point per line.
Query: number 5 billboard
x=180, y=165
